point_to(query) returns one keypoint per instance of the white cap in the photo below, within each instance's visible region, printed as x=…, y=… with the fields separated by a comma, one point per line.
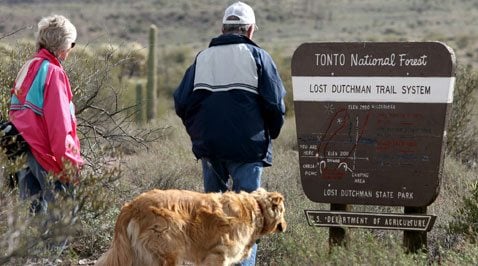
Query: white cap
x=241, y=10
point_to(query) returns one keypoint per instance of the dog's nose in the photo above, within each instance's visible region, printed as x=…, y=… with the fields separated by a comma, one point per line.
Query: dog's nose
x=281, y=227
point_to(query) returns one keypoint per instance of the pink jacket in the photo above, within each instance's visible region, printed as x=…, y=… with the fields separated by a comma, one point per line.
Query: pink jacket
x=43, y=112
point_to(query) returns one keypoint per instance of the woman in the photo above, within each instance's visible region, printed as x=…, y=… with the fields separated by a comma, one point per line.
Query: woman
x=42, y=110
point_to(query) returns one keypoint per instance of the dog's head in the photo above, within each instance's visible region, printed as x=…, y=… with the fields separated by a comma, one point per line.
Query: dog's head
x=273, y=210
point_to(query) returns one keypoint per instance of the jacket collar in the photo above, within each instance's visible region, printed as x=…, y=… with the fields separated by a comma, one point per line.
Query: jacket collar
x=231, y=39
x=45, y=54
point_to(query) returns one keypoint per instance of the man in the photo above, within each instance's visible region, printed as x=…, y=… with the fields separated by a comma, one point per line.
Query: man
x=231, y=103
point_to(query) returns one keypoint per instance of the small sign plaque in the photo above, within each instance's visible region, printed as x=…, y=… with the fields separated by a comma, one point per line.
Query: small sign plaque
x=370, y=220
x=371, y=120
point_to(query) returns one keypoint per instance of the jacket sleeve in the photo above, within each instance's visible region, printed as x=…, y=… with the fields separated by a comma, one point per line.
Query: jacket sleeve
x=184, y=91
x=272, y=92
x=57, y=110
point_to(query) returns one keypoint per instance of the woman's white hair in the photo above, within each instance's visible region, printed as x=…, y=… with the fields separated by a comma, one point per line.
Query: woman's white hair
x=55, y=33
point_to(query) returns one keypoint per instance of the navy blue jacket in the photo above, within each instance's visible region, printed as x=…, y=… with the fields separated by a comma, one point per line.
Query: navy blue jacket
x=231, y=101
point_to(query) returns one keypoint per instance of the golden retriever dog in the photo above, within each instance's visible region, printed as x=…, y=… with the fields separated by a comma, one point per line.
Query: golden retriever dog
x=173, y=227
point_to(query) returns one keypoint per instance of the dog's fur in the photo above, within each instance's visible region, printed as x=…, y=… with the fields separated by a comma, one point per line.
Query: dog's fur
x=170, y=227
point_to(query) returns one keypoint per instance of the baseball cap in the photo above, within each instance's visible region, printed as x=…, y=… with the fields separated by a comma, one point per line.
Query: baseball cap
x=241, y=10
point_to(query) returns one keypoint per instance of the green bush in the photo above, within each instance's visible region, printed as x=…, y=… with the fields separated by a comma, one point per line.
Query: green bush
x=173, y=63
x=466, y=221
x=462, y=140
x=11, y=59
x=283, y=64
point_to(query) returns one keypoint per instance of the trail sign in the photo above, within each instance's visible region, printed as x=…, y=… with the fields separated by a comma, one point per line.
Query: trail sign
x=371, y=120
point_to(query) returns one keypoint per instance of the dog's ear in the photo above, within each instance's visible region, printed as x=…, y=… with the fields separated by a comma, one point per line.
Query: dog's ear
x=276, y=200
x=277, y=206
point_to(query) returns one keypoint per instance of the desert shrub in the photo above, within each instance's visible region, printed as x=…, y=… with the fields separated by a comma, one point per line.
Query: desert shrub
x=462, y=140
x=104, y=112
x=11, y=59
x=129, y=59
x=173, y=62
x=24, y=235
x=454, y=186
x=283, y=63
x=466, y=221
x=465, y=254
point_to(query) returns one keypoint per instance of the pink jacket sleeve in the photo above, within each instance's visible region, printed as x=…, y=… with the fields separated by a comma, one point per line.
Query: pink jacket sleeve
x=60, y=118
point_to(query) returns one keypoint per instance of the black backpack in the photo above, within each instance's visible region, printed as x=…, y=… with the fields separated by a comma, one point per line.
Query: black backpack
x=11, y=140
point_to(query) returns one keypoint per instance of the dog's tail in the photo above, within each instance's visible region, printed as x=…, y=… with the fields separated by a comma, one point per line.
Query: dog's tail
x=120, y=252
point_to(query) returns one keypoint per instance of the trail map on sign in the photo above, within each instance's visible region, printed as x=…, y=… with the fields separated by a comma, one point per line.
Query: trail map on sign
x=370, y=120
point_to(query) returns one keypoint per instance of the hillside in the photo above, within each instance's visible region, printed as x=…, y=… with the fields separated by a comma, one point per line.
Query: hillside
x=282, y=23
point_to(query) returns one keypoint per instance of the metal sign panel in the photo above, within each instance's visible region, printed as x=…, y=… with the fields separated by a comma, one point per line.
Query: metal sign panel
x=371, y=120
x=370, y=220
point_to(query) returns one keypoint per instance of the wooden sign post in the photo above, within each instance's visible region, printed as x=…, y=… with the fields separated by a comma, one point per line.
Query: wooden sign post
x=371, y=121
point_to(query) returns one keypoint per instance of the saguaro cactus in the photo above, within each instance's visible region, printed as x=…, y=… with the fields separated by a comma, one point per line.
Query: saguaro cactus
x=151, y=82
x=139, y=103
